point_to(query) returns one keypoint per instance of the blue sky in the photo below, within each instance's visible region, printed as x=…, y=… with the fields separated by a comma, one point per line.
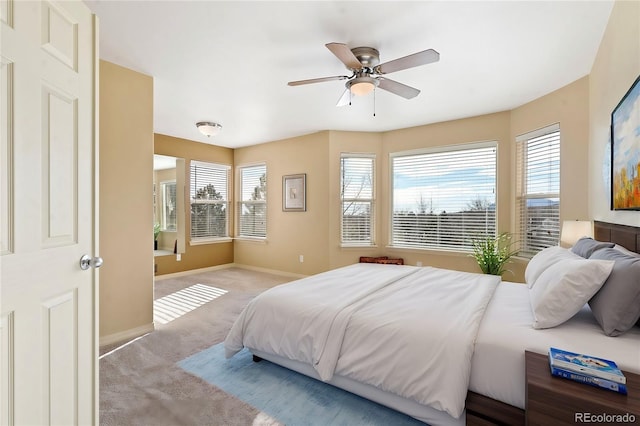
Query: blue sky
x=449, y=183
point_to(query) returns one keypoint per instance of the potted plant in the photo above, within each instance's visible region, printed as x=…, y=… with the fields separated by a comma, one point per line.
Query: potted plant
x=493, y=252
x=156, y=232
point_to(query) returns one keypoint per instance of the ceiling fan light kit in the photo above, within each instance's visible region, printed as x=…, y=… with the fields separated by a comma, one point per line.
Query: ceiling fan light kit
x=361, y=86
x=208, y=128
x=368, y=73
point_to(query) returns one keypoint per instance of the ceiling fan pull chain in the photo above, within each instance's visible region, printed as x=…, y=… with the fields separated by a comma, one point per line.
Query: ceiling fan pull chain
x=374, y=102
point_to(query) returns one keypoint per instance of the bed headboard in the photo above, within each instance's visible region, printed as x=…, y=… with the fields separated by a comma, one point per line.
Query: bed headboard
x=624, y=235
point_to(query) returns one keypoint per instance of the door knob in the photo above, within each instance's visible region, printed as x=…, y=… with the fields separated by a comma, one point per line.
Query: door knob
x=87, y=262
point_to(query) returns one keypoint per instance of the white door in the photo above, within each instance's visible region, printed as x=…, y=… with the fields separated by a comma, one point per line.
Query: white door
x=48, y=193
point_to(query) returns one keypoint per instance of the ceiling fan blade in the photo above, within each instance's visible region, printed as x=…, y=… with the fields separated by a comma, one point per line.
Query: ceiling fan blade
x=345, y=55
x=396, y=88
x=345, y=99
x=317, y=80
x=421, y=58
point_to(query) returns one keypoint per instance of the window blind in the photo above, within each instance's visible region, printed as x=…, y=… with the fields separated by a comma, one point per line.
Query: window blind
x=538, y=190
x=357, y=197
x=443, y=199
x=209, y=200
x=252, y=207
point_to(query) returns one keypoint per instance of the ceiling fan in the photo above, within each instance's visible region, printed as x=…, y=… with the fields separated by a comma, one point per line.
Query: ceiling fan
x=368, y=73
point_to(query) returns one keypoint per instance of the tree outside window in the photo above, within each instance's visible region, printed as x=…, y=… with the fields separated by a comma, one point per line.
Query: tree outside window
x=209, y=203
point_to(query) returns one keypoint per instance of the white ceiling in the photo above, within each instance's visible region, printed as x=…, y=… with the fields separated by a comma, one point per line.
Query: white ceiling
x=230, y=62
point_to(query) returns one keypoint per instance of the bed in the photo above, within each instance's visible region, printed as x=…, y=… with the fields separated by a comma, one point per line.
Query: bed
x=441, y=346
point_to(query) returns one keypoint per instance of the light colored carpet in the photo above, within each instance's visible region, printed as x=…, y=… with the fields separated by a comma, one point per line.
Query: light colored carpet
x=141, y=384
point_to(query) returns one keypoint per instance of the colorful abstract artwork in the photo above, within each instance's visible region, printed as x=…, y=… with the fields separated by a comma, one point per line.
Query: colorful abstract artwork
x=625, y=138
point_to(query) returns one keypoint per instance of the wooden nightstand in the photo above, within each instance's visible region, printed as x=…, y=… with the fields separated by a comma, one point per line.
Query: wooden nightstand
x=556, y=401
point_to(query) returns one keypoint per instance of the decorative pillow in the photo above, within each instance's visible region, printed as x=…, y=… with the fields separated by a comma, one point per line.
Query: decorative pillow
x=543, y=260
x=585, y=246
x=564, y=288
x=617, y=305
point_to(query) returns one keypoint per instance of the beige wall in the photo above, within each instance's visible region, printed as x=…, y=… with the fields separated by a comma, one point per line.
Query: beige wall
x=615, y=68
x=203, y=255
x=291, y=234
x=126, y=214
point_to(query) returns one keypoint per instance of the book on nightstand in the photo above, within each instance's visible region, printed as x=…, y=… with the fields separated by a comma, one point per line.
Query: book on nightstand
x=585, y=365
x=590, y=380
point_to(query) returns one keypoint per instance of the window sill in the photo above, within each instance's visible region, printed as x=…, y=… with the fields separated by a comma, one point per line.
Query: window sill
x=439, y=252
x=211, y=241
x=251, y=240
x=358, y=246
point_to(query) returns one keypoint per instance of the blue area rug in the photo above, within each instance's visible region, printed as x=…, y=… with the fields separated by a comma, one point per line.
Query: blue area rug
x=289, y=397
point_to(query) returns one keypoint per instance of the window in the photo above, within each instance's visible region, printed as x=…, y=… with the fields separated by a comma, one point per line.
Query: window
x=252, y=207
x=538, y=190
x=357, y=199
x=169, y=212
x=209, y=201
x=444, y=198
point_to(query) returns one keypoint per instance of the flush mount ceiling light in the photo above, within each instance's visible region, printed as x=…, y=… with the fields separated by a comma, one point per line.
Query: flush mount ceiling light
x=209, y=128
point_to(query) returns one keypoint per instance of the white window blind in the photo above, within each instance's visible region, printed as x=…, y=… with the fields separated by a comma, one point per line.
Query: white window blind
x=252, y=207
x=169, y=212
x=209, y=200
x=538, y=190
x=357, y=197
x=442, y=199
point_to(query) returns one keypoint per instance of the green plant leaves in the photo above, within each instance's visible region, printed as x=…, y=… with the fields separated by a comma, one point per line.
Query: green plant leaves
x=493, y=253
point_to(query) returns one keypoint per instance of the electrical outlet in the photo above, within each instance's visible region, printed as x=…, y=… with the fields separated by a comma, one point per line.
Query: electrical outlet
x=301, y=258
x=418, y=263
x=178, y=257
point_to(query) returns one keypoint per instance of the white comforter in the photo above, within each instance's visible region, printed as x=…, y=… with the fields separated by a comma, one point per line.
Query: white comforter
x=407, y=330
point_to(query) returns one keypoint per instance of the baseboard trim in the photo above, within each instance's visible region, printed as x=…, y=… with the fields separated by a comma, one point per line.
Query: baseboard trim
x=227, y=266
x=269, y=271
x=123, y=336
x=194, y=271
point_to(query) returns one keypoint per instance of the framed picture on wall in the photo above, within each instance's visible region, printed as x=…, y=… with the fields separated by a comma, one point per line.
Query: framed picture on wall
x=625, y=151
x=294, y=196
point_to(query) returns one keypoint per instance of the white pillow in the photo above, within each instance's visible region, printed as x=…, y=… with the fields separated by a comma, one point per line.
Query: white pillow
x=563, y=289
x=543, y=260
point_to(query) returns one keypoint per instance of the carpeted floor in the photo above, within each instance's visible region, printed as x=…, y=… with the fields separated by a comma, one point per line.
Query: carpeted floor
x=141, y=383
